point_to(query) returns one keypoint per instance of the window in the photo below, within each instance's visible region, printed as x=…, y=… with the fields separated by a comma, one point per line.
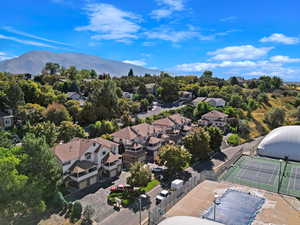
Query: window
x=103, y=153
x=88, y=155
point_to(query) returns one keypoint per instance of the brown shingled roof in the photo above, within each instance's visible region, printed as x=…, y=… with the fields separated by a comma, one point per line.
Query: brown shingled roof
x=125, y=133
x=165, y=122
x=106, y=143
x=179, y=119
x=144, y=129
x=215, y=114
x=72, y=150
x=154, y=140
x=109, y=158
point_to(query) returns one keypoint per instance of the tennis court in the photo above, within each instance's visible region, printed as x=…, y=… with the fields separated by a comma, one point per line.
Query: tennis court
x=268, y=174
x=235, y=208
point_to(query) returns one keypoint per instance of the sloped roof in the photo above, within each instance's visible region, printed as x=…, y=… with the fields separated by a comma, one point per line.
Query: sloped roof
x=125, y=133
x=110, y=157
x=187, y=220
x=166, y=122
x=198, y=99
x=72, y=150
x=106, y=143
x=144, y=129
x=219, y=100
x=154, y=140
x=179, y=119
x=215, y=114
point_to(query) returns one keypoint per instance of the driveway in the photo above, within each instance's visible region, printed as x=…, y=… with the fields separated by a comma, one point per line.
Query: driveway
x=96, y=196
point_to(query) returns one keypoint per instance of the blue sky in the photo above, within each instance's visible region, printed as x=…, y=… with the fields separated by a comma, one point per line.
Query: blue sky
x=229, y=37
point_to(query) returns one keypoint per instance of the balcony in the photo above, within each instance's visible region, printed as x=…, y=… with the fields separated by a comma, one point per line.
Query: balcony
x=78, y=177
x=153, y=147
x=112, y=165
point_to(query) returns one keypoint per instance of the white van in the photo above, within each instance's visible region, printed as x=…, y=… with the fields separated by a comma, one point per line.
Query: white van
x=176, y=184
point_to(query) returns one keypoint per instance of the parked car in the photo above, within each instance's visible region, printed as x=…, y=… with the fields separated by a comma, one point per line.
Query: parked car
x=121, y=188
x=157, y=170
x=176, y=184
x=162, y=196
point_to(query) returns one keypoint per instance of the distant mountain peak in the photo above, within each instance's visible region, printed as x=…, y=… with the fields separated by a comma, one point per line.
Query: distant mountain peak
x=33, y=62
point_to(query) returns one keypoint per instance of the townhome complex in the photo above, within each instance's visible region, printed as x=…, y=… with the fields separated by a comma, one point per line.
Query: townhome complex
x=87, y=161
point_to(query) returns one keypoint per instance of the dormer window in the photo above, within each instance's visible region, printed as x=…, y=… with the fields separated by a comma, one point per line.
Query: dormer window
x=104, y=152
x=88, y=155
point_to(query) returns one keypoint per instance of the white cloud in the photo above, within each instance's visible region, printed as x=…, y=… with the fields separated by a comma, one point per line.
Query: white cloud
x=110, y=23
x=239, y=52
x=284, y=59
x=228, y=19
x=4, y=56
x=280, y=38
x=26, y=42
x=135, y=62
x=168, y=7
x=242, y=68
x=175, y=36
x=14, y=31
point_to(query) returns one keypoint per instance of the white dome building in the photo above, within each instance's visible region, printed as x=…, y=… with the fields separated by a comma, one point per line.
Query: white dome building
x=281, y=142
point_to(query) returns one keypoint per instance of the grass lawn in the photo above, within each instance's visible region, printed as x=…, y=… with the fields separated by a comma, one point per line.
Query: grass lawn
x=152, y=184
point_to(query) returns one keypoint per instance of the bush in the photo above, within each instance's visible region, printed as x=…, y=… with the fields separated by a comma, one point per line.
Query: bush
x=234, y=139
x=152, y=184
x=59, y=201
x=76, y=212
x=87, y=216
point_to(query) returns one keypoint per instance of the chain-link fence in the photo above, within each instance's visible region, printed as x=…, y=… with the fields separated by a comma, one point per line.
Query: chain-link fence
x=157, y=214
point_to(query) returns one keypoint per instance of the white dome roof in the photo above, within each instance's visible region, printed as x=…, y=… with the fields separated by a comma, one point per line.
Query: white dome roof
x=281, y=142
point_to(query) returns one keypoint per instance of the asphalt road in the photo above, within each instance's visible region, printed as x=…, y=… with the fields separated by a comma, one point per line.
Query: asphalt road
x=128, y=216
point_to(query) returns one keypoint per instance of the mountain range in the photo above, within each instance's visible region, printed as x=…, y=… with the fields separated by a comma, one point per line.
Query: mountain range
x=33, y=62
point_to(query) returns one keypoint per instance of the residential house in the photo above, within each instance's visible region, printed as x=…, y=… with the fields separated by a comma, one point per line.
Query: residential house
x=6, y=119
x=127, y=95
x=217, y=102
x=185, y=95
x=88, y=161
x=197, y=100
x=151, y=88
x=214, y=118
x=76, y=96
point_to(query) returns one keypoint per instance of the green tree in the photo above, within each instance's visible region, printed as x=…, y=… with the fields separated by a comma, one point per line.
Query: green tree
x=140, y=175
x=275, y=118
x=174, y=157
x=6, y=139
x=12, y=185
x=244, y=129
x=74, y=108
x=202, y=108
x=142, y=91
x=105, y=100
x=216, y=138
x=41, y=165
x=236, y=101
x=51, y=68
x=45, y=129
x=15, y=96
x=76, y=212
x=198, y=144
x=144, y=105
x=169, y=90
x=262, y=98
x=207, y=74
x=234, y=81
x=32, y=113
x=69, y=130
x=234, y=139
x=276, y=82
x=57, y=113
x=130, y=73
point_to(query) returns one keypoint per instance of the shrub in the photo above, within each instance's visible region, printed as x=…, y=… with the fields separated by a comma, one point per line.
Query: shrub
x=76, y=212
x=59, y=201
x=234, y=139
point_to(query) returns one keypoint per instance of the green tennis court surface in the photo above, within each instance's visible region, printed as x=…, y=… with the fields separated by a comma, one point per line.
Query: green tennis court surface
x=268, y=174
